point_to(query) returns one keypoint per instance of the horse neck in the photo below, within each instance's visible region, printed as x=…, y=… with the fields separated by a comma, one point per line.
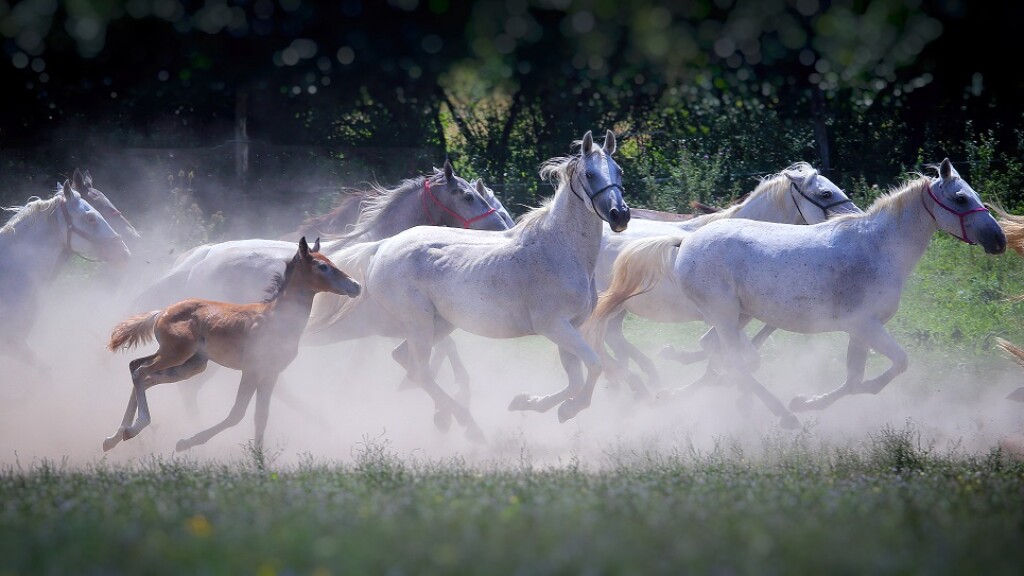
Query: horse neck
x=402, y=213
x=570, y=218
x=903, y=229
x=35, y=250
x=289, y=310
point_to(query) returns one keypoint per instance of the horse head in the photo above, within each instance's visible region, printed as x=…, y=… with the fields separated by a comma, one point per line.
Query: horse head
x=816, y=197
x=958, y=210
x=88, y=233
x=492, y=200
x=317, y=273
x=601, y=178
x=82, y=183
x=450, y=200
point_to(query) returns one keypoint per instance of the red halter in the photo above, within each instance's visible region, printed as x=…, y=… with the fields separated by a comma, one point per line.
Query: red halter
x=960, y=215
x=465, y=222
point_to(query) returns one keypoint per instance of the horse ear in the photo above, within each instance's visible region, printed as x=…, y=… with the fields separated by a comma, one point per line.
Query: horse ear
x=87, y=178
x=480, y=188
x=588, y=143
x=946, y=170
x=609, y=143
x=78, y=181
x=303, y=248
x=316, y=245
x=802, y=178
x=69, y=192
x=449, y=172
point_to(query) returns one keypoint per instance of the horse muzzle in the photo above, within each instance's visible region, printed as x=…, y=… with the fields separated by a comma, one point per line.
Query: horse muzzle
x=618, y=219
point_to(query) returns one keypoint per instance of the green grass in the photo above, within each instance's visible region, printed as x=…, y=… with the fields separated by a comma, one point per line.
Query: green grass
x=891, y=506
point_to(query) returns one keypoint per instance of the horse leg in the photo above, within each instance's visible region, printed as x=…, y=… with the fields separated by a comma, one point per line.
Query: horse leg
x=146, y=373
x=446, y=348
x=625, y=351
x=263, y=394
x=246, y=388
x=732, y=339
x=445, y=406
x=875, y=337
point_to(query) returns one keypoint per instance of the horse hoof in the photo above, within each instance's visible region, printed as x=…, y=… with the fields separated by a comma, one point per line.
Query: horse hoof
x=520, y=402
x=1017, y=395
x=182, y=445
x=790, y=422
x=800, y=404
x=567, y=412
x=443, y=420
x=110, y=443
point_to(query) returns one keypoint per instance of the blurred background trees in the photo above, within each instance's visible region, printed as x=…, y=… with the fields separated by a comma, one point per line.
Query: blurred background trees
x=276, y=104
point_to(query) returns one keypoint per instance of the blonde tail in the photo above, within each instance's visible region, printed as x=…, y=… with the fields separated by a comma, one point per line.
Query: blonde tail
x=636, y=270
x=1013, y=227
x=134, y=331
x=355, y=260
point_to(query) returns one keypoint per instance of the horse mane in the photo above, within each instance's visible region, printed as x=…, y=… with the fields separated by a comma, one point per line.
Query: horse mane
x=558, y=171
x=312, y=226
x=897, y=196
x=279, y=282
x=774, y=187
x=377, y=203
x=29, y=210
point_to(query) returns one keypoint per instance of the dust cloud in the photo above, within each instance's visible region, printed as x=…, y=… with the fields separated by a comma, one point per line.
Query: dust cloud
x=334, y=400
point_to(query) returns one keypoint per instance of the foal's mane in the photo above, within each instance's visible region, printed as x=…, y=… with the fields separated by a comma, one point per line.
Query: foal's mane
x=279, y=282
x=26, y=212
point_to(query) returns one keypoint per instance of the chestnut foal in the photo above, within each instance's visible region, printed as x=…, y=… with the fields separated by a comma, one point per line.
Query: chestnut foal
x=259, y=339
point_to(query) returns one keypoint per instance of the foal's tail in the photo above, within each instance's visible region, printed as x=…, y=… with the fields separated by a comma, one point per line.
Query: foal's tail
x=1013, y=227
x=640, y=266
x=355, y=261
x=134, y=331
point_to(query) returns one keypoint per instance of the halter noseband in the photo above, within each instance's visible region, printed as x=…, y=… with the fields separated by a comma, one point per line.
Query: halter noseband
x=824, y=207
x=960, y=215
x=458, y=217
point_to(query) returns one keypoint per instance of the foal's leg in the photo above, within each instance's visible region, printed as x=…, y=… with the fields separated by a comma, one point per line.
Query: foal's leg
x=146, y=373
x=263, y=394
x=246, y=388
x=875, y=337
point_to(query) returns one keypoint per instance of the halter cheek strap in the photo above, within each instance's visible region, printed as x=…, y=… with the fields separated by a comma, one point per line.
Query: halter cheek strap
x=824, y=207
x=458, y=217
x=960, y=215
x=72, y=229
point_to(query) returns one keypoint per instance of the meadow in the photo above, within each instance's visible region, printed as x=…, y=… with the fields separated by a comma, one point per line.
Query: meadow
x=912, y=481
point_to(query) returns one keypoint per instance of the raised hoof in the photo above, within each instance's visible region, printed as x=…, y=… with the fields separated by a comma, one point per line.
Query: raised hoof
x=1017, y=395
x=109, y=443
x=790, y=422
x=800, y=404
x=443, y=420
x=182, y=445
x=520, y=402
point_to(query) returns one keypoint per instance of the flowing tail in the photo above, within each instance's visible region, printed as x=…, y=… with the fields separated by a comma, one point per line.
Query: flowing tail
x=636, y=270
x=134, y=331
x=355, y=260
x=1013, y=227
x=1017, y=355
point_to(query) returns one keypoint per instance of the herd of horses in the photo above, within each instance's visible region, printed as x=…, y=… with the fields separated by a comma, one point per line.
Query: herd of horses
x=438, y=253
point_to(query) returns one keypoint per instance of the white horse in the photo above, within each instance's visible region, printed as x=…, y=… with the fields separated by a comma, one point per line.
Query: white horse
x=34, y=243
x=844, y=275
x=232, y=271
x=534, y=279
x=797, y=195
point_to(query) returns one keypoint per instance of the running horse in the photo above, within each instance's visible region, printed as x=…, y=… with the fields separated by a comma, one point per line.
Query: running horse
x=260, y=339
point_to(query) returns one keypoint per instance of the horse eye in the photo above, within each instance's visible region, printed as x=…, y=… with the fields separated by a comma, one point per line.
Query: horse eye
x=90, y=218
x=826, y=194
x=589, y=174
x=322, y=266
x=961, y=198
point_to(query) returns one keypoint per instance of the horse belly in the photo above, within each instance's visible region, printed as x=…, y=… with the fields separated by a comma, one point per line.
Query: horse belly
x=665, y=302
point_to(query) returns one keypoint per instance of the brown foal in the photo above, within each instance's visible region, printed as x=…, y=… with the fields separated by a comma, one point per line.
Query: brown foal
x=259, y=339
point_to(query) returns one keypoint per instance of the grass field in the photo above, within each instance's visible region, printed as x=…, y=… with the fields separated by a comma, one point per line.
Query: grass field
x=912, y=481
